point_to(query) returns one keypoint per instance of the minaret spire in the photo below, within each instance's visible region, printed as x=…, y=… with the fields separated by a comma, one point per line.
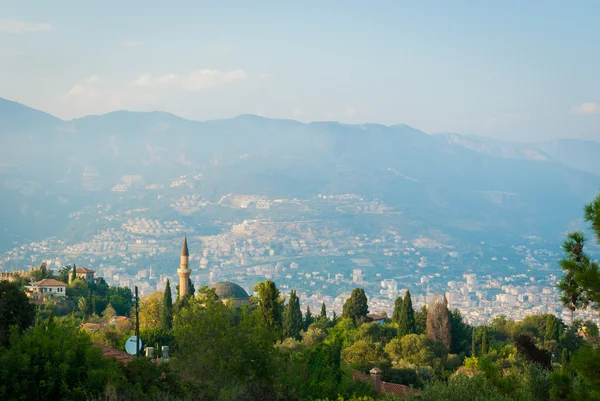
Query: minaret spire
x=184, y=270
x=184, y=248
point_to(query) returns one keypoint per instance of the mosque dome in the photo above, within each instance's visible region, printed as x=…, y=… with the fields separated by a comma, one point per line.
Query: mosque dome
x=228, y=290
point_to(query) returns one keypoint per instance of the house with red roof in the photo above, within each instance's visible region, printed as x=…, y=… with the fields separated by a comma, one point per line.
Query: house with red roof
x=46, y=289
x=86, y=274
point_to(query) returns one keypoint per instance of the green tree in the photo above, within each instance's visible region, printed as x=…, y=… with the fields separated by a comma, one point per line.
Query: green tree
x=460, y=334
x=473, y=343
x=269, y=304
x=229, y=350
x=167, y=308
x=109, y=313
x=421, y=320
x=54, y=362
x=406, y=323
x=323, y=310
x=292, y=323
x=308, y=318
x=552, y=329
x=484, y=341
x=580, y=285
x=121, y=299
x=83, y=306
x=15, y=309
x=356, y=307
x=73, y=274
x=397, y=310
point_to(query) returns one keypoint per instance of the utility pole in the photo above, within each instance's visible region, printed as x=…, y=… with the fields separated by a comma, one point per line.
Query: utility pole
x=137, y=323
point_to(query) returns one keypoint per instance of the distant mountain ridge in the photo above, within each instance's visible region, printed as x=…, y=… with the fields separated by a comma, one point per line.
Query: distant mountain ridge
x=453, y=183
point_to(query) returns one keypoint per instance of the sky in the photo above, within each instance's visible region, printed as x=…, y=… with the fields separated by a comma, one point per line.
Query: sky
x=512, y=70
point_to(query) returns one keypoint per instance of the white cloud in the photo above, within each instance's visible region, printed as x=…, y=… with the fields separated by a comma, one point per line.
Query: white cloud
x=193, y=82
x=18, y=27
x=586, y=108
x=132, y=43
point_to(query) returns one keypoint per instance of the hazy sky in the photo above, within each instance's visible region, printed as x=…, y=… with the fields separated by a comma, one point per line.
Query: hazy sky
x=512, y=69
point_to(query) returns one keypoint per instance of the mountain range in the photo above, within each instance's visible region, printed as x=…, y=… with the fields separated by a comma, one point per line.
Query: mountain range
x=472, y=187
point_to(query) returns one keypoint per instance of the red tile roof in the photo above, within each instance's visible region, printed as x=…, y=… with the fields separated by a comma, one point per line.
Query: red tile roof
x=397, y=389
x=50, y=282
x=84, y=270
x=375, y=316
x=108, y=352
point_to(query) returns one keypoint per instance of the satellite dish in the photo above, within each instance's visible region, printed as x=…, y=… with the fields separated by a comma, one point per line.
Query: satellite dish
x=130, y=345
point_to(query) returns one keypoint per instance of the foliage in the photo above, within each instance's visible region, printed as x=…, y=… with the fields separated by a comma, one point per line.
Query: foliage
x=323, y=310
x=527, y=348
x=292, y=322
x=15, y=309
x=438, y=322
x=308, y=318
x=225, y=348
x=580, y=285
x=460, y=334
x=167, y=308
x=269, y=305
x=53, y=362
x=406, y=320
x=421, y=320
x=484, y=341
x=356, y=307
x=151, y=310
x=397, y=310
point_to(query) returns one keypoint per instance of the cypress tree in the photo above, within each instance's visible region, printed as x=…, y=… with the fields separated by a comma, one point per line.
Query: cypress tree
x=473, y=343
x=167, y=308
x=564, y=360
x=323, y=310
x=292, y=323
x=73, y=273
x=269, y=304
x=308, y=319
x=397, y=310
x=551, y=329
x=484, y=341
x=406, y=323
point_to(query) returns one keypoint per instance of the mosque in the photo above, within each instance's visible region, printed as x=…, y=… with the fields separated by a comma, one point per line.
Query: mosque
x=226, y=291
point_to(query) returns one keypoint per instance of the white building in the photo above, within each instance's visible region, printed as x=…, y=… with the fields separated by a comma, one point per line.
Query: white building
x=47, y=288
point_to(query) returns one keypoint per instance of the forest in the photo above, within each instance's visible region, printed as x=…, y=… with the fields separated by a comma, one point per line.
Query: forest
x=271, y=349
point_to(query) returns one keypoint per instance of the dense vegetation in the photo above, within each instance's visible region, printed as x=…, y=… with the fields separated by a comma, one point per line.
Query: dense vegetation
x=270, y=350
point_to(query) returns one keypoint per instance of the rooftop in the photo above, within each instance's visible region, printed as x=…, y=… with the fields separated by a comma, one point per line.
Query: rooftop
x=50, y=282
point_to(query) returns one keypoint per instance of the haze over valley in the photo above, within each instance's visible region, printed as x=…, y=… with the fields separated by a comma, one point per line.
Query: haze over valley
x=310, y=204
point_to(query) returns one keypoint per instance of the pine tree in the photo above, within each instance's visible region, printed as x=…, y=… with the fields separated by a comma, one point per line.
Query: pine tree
x=73, y=274
x=323, y=310
x=484, y=341
x=421, y=320
x=167, y=308
x=308, y=319
x=397, y=310
x=356, y=307
x=473, y=343
x=292, y=323
x=406, y=323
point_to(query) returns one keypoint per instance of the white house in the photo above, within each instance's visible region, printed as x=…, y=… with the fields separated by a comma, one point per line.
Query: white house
x=47, y=288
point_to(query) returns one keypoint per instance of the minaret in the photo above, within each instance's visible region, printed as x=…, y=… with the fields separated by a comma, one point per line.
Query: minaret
x=184, y=271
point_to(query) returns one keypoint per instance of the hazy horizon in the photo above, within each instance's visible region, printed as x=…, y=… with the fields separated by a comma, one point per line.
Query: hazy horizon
x=509, y=71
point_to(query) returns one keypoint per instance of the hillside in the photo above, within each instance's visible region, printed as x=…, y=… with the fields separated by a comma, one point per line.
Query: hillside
x=51, y=167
